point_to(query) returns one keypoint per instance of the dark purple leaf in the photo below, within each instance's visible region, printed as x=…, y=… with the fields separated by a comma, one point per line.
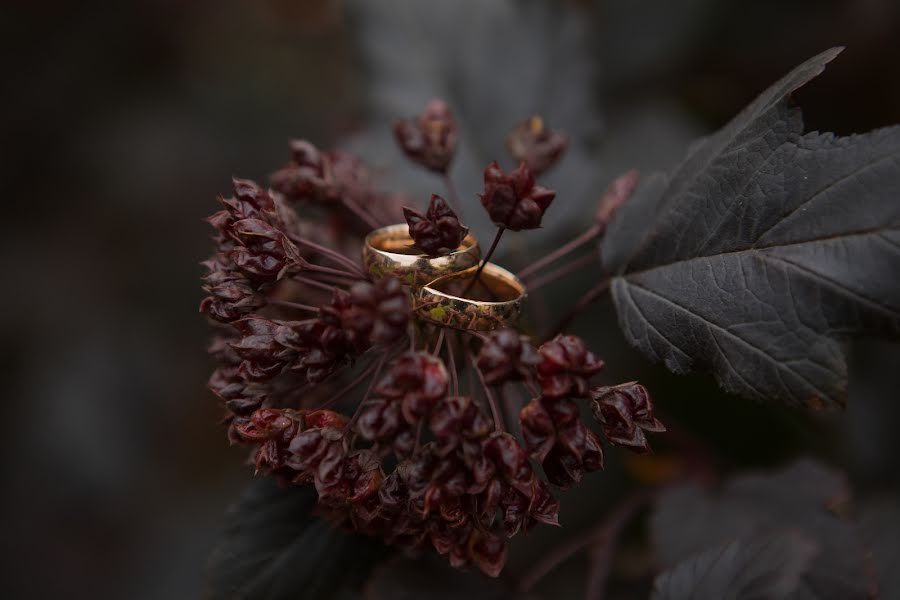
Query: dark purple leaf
x=801, y=498
x=766, y=248
x=759, y=568
x=273, y=549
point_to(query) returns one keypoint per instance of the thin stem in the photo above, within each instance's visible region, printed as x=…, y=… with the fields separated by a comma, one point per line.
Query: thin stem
x=411, y=332
x=492, y=402
x=365, y=397
x=451, y=359
x=439, y=344
x=328, y=253
x=313, y=283
x=357, y=210
x=562, y=271
x=485, y=260
x=593, y=232
x=591, y=296
x=453, y=196
x=296, y=305
x=330, y=271
x=349, y=386
x=606, y=533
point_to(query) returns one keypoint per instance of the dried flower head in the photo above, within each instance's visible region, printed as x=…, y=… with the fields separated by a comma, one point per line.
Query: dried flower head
x=429, y=138
x=566, y=367
x=512, y=200
x=626, y=412
x=333, y=380
x=533, y=143
x=438, y=231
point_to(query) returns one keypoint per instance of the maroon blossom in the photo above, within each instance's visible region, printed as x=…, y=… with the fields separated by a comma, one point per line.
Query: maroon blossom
x=417, y=380
x=538, y=146
x=626, y=412
x=429, y=139
x=512, y=200
x=438, y=231
x=507, y=355
x=555, y=435
x=566, y=367
x=320, y=177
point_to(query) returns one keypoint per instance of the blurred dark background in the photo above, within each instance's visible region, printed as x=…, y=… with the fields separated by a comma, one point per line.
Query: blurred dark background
x=122, y=121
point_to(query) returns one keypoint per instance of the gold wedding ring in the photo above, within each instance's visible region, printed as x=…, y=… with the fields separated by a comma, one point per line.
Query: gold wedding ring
x=389, y=251
x=495, y=301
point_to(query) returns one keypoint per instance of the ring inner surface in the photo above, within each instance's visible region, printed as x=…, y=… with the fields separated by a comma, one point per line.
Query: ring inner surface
x=491, y=286
x=398, y=241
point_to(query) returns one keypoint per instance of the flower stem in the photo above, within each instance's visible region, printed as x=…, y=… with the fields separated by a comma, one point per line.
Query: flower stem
x=365, y=397
x=328, y=253
x=451, y=359
x=357, y=210
x=593, y=232
x=602, y=538
x=492, y=402
x=313, y=283
x=560, y=272
x=329, y=271
x=296, y=305
x=485, y=260
x=368, y=371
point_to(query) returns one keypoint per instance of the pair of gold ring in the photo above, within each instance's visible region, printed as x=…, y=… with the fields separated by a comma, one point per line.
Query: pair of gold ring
x=441, y=284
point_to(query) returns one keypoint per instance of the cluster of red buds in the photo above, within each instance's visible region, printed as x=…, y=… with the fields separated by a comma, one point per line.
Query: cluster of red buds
x=333, y=379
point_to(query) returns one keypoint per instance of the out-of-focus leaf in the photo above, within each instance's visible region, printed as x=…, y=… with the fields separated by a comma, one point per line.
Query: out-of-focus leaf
x=760, y=568
x=273, y=549
x=764, y=250
x=496, y=63
x=799, y=498
x=432, y=579
x=880, y=524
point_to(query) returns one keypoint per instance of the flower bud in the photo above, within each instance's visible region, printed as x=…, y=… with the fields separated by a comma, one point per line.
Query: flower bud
x=625, y=411
x=438, y=232
x=514, y=201
x=536, y=145
x=429, y=139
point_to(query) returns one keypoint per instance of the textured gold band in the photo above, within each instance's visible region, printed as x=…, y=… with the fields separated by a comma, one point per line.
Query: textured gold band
x=494, y=302
x=389, y=251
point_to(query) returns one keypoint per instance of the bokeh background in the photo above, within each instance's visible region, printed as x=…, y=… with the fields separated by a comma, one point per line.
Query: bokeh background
x=121, y=121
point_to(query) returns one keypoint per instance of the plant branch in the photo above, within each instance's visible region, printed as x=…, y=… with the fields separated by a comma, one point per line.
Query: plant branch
x=593, y=232
x=562, y=271
x=492, y=402
x=602, y=538
x=485, y=260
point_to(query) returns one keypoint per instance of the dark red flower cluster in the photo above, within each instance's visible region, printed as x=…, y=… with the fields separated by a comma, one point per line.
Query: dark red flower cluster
x=316, y=176
x=536, y=145
x=328, y=374
x=556, y=436
x=626, y=412
x=253, y=252
x=429, y=139
x=464, y=492
x=438, y=231
x=514, y=201
x=566, y=367
x=506, y=355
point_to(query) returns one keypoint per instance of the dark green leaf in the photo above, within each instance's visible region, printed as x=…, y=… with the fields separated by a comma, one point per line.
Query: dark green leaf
x=765, y=249
x=273, y=549
x=760, y=568
x=688, y=520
